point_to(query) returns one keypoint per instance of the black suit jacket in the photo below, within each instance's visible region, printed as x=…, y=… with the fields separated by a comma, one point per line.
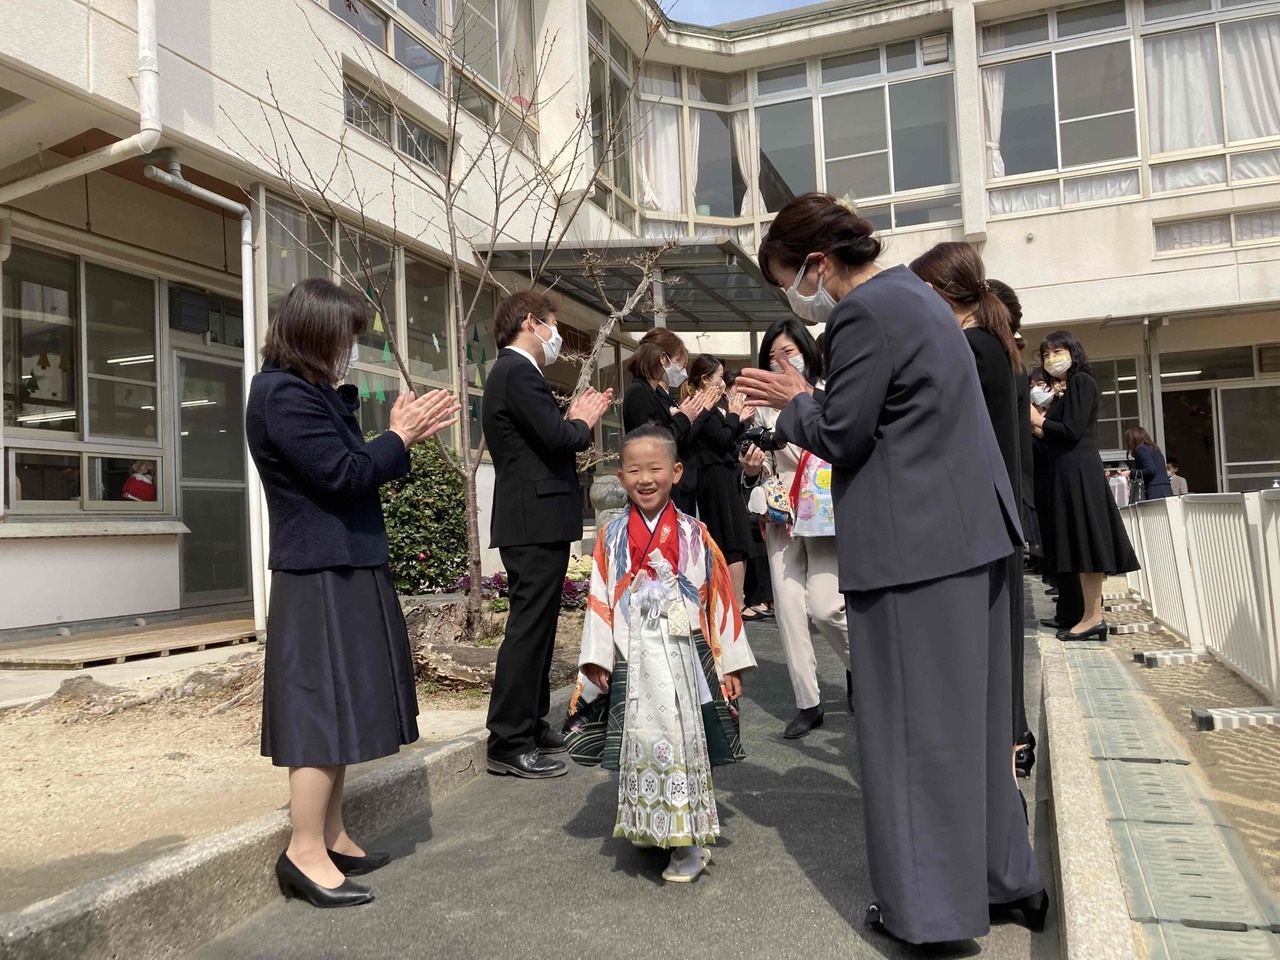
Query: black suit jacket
x=319, y=476
x=535, y=496
x=643, y=403
x=920, y=489
x=1000, y=394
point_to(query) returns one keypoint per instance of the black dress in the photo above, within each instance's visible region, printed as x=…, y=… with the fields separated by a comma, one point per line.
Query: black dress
x=644, y=403
x=720, y=504
x=339, y=685
x=1085, y=532
x=1149, y=462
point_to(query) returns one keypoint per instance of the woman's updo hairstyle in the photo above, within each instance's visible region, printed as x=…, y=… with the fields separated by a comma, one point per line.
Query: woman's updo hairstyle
x=817, y=223
x=957, y=273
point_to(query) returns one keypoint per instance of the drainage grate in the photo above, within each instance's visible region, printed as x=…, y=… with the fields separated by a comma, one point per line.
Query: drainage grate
x=1124, y=704
x=1138, y=739
x=1094, y=668
x=1186, y=874
x=1169, y=941
x=1152, y=793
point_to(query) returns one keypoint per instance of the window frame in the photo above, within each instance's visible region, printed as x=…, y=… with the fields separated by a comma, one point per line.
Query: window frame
x=1233, y=243
x=622, y=207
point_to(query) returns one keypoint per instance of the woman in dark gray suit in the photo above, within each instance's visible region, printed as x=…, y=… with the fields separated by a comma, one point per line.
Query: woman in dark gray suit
x=925, y=522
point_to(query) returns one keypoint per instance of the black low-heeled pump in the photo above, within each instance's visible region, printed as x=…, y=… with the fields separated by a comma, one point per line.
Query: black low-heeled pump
x=1097, y=632
x=1024, y=757
x=1034, y=910
x=294, y=883
x=358, y=866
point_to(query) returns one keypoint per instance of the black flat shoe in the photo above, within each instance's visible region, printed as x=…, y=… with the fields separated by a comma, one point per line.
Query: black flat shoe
x=358, y=866
x=1024, y=758
x=1034, y=910
x=804, y=721
x=529, y=766
x=1052, y=624
x=848, y=689
x=294, y=883
x=550, y=742
x=1096, y=632
x=751, y=615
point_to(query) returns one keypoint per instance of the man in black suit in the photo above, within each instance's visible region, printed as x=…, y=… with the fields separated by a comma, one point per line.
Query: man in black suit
x=537, y=513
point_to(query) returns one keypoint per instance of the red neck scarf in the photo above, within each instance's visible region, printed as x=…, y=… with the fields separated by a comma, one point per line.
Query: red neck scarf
x=665, y=537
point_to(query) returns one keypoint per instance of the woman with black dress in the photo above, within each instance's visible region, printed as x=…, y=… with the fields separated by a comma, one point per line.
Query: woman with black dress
x=1146, y=461
x=658, y=367
x=956, y=272
x=715, y=458
x=1084, y=535
x=339, y=686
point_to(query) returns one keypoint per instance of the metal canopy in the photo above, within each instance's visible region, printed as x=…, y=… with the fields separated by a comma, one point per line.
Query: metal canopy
x=708, y=284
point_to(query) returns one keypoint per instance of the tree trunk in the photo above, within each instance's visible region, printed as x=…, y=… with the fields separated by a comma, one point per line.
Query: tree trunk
x=475, y=601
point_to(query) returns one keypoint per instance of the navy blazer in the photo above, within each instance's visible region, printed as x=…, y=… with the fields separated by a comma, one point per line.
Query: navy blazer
x=535, y=492
x=920, y=488
x=320, y=478
x=1150, y=463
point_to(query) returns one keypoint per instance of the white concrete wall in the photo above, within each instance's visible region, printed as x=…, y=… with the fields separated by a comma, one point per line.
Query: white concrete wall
x=66, y=579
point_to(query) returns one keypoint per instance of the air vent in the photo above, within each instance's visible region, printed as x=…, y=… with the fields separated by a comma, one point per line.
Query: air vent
x=936, y=49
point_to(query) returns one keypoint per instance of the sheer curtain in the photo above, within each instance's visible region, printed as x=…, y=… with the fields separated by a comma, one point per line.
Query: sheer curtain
x=1188, y=173
x=515, y=45
x=1251, y=166
x=1258, y=226
x=661, y=186
x=1103, y=186
x=993, y=101
x=741, y=127
x=1251, y=77
x=695, y=148
x=1035, y=196
x=1184, y=109
x=1190, y=234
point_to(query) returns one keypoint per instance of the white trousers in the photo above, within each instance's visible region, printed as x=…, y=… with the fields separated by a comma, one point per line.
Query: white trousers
x=806, y=588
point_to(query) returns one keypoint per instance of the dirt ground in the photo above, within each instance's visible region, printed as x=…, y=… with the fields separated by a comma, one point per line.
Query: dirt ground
x=85, y=797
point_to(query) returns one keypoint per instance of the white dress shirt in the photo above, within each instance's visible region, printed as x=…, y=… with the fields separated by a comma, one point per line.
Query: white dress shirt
x=528, y=356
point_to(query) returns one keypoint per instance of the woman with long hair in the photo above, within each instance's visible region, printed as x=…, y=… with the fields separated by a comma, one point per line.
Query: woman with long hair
x=957, y=273
x=806, y=587
x=1084, y=535
x=1146, y=461
x=715, y=461
x=925, y=521
x=339, y=686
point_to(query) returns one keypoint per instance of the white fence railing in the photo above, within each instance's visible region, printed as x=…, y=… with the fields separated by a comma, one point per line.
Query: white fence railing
x=1211, y=574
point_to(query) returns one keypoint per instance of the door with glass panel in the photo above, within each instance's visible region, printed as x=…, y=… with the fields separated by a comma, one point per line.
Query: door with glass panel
x=212, y=499
x=1250, y=429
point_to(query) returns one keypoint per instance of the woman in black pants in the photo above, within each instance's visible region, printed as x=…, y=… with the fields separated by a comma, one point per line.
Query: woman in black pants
x=339, y=686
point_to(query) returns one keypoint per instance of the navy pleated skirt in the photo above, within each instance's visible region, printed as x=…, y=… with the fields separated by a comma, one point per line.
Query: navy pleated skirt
x=339, y=684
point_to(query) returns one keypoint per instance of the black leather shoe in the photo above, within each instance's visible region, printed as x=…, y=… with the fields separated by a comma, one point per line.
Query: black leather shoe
x=529, y=766
x=1034, y=910
x=1052, y=624
x=358, y=866
x=848, y=689
x=550, y=742
x=1097, y=632
x=294, y=883
x=1024, y=758
x=804, y=721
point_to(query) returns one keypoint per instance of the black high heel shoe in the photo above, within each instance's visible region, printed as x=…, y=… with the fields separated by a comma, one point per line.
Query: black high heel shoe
x=358, y=866
x=1024, y=758
x=1097, y=632
x=1034, y=910
x=294, y=883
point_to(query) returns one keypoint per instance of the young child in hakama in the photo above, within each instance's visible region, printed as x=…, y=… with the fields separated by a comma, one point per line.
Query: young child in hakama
x=658, y=577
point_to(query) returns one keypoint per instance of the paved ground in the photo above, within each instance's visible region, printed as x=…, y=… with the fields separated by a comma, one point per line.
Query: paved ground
x=527, y=870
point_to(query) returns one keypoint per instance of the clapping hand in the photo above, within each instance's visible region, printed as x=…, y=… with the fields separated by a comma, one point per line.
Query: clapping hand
x=776, y=390
x=738, y=407
x=415, y=418
x=699, y=402
x=590, y=407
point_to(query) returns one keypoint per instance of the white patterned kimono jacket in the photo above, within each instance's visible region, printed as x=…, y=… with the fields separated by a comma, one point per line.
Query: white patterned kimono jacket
x=665, y=796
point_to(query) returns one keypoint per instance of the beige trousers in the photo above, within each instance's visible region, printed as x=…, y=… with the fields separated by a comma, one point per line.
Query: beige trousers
x=805, y=587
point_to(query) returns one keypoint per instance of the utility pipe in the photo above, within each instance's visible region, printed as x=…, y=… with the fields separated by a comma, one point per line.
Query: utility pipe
x=6, y=248
x=142, y=142
x=173, y=180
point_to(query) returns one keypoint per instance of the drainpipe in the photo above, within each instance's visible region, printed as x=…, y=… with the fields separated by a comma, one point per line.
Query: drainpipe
x=174, y=181
x=142, y=142
x=6, y=248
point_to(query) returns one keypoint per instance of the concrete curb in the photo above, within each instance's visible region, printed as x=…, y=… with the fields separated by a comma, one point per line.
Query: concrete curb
x=171, y=905
x=1094, y=914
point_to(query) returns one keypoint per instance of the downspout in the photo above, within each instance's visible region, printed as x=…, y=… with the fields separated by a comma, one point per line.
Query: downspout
x=174, y=181
x=142, y=142
x=6, y=248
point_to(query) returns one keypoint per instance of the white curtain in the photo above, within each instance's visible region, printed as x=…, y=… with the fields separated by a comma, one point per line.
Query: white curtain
x=1104, y=186
x=515, y=43
x=993, y=102
x=1251, y=166
x=1188, y=173
x=661, y=186
x=664, y=229
x=741, y=127
x=1211, y=232
x=1251, y=77
x=1183, y=107
x=695, y=148
x=1258, y=226
x=1035, y=196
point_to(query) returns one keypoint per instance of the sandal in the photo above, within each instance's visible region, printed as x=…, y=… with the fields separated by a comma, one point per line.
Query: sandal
x=751, y=615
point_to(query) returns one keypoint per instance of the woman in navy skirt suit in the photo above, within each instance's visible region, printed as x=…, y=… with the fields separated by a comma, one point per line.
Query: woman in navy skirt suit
x=339, y=685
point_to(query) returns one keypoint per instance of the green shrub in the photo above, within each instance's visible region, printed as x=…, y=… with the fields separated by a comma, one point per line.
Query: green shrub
x=426, y=524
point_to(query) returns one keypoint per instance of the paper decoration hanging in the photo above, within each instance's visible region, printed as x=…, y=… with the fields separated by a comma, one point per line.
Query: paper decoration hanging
x=377, y=322
x=387, y=356
x=43, y=362
x=475, y=334
x=435, y=342
x=380, y=395
x=479, y=382
x=363, y=390
x=64, y=363
x=470, y=358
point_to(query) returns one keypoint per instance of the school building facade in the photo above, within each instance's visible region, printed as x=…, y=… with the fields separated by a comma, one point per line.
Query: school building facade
x=1117, y=162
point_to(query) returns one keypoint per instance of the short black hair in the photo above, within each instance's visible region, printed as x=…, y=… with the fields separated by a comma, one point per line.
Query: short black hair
x=652, y=431
x=513, y=312
x=1171, y=462
x=1066, y=340
x=802, y=338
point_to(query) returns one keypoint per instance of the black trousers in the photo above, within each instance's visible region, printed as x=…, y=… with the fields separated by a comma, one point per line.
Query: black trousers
x=1017, y=636
x=521, y=696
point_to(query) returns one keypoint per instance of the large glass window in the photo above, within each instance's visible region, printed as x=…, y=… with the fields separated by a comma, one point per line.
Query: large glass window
x=368, y=267
x=1118, y=401
x=786, y=161
x=481, y=350
x=362, y=17
x=298, y=246
x=613, y=129
x=719, y=181
x=420, y=59
x=427, y=324
x=41, y=329
x=120, y=353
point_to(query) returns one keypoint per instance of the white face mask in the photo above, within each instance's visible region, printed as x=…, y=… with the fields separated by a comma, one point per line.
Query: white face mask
x=675, y=375
x=811, y=309
x=1041, y=396
x=1057, y=366
x=551, y=348
x=351, y=361
x=797, y=361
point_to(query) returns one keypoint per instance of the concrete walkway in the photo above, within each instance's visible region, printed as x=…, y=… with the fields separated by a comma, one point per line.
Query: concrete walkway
x=515, y=869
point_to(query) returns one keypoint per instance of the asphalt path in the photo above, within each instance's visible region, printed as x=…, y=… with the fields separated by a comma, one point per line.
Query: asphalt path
x=528, y=869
